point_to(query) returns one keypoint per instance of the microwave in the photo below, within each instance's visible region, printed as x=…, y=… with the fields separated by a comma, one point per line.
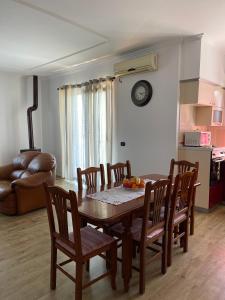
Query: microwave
x=197, y=138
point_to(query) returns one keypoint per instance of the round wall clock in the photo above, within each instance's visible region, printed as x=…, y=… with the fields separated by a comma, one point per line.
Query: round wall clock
x=141, y=93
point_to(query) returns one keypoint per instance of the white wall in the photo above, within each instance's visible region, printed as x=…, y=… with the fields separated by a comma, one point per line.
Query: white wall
x=15, y=97
x=150, y=132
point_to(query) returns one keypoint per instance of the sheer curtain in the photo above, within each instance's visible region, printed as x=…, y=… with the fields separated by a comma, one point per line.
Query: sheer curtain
x=87, y=124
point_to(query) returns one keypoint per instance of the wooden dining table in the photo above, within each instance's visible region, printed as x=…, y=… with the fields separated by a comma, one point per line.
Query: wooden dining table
x=99, y=213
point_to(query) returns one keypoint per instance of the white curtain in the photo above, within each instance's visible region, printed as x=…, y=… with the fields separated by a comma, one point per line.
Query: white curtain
x=87, y=124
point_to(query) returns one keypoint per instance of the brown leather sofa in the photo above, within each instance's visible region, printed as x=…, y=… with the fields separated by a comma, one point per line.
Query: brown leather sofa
x=21, y=182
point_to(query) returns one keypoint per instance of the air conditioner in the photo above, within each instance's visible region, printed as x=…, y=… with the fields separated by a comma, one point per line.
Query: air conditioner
x=147, y=62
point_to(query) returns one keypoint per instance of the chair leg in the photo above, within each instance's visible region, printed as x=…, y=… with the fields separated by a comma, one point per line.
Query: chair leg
x=176, y=232
x=79, y=277
x=186, y=230
x=182, y=230
x=164, y=254
x=107, y=254
x=142, y=272
x=83, y=222
x=134, y=250
x=138, y=249
x=113, y=265
x=170, y=247
x=88, y=265
x=53, y=267
x=192, y=221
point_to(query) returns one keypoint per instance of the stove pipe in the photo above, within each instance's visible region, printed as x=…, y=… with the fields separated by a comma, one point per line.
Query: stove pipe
x=29, y=112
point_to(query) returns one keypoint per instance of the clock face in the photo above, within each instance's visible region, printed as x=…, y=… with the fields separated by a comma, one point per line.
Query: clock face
x=141, y=93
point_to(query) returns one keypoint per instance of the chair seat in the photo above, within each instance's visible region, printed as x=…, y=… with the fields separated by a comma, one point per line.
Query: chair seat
x=5, y=188
x=118, y=229
x=91, y=240
x=179, y=218
x=136, y=228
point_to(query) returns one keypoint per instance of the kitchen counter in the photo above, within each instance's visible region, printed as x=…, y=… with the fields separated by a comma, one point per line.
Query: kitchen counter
x=203, y=156
x=211, y=174
x=181, y=147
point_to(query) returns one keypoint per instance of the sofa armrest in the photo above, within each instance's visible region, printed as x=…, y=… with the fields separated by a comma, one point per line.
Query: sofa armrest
x=32, y=181
x=5, y=171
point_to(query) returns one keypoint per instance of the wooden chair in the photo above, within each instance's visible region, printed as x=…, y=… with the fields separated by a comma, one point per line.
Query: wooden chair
x=80, y=245
x=91, y=176
x=120, y=171
x=147, y=231
x=181, y=202
x=91, y=181
x=183, y=166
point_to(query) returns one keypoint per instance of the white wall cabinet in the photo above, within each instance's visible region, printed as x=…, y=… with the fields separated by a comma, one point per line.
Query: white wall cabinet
x=201, y=59
x=212, y=115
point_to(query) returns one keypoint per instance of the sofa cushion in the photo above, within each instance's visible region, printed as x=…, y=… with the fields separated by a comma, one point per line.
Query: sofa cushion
x=26, y=174
x=16, y=174
x=23, y=160
x=41, y=163
x=5, y=188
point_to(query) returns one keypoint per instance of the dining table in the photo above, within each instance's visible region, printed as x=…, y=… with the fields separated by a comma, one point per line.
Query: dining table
x=100, y=213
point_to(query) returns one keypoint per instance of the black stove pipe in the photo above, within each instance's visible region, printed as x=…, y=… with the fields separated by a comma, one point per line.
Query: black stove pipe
x=30, y=110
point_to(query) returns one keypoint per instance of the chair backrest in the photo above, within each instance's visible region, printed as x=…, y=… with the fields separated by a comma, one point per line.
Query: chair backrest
x=58, y=202
x=183, y=189
x=91, y=176
x=157, y=196
x=120, y=171
x=182, y=166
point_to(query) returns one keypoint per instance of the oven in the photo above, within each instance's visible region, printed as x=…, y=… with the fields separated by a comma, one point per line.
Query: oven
x=218, y=158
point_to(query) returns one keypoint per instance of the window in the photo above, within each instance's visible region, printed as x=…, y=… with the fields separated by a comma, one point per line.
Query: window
x=86, y=121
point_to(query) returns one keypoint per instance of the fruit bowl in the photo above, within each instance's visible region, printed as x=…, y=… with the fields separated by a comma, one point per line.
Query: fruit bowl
x=133, y=183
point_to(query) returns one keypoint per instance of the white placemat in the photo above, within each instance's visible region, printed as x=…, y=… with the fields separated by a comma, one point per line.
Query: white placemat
x=118, y=195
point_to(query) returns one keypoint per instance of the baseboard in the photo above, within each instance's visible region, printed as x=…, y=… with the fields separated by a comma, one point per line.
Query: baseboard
x=201, y=209
x=207, y=210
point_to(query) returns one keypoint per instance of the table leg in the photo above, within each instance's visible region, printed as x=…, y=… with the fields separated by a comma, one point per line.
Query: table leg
x=127, y=252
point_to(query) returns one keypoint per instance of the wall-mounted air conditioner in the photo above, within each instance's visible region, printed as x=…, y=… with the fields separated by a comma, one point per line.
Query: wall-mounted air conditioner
x=147, y=62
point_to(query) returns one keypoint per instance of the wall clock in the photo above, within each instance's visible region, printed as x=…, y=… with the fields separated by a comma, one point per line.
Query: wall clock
x=141, y=93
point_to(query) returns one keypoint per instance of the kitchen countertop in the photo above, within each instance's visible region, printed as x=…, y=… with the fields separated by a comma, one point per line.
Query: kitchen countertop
x=181, y=147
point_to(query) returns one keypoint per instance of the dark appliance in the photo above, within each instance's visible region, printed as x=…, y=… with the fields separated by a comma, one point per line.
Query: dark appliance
x=217, y=180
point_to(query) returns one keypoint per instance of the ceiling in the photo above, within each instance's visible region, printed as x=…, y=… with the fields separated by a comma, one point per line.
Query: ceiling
x=48, y=36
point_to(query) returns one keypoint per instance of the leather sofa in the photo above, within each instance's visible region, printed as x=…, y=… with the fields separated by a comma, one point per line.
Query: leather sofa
x=21, y=182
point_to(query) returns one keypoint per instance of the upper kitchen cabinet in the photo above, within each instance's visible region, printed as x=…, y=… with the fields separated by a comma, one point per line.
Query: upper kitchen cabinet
x=202, y=59
x=218, y=96
x=200, y=92
x=209, y=116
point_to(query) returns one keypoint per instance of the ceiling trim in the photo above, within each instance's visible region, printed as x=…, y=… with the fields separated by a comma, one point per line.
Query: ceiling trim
x=66, y=56
x=54, y=15
x=115, y=57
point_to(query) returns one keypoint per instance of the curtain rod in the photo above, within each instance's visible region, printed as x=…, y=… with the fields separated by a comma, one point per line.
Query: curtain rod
x=86, y=83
